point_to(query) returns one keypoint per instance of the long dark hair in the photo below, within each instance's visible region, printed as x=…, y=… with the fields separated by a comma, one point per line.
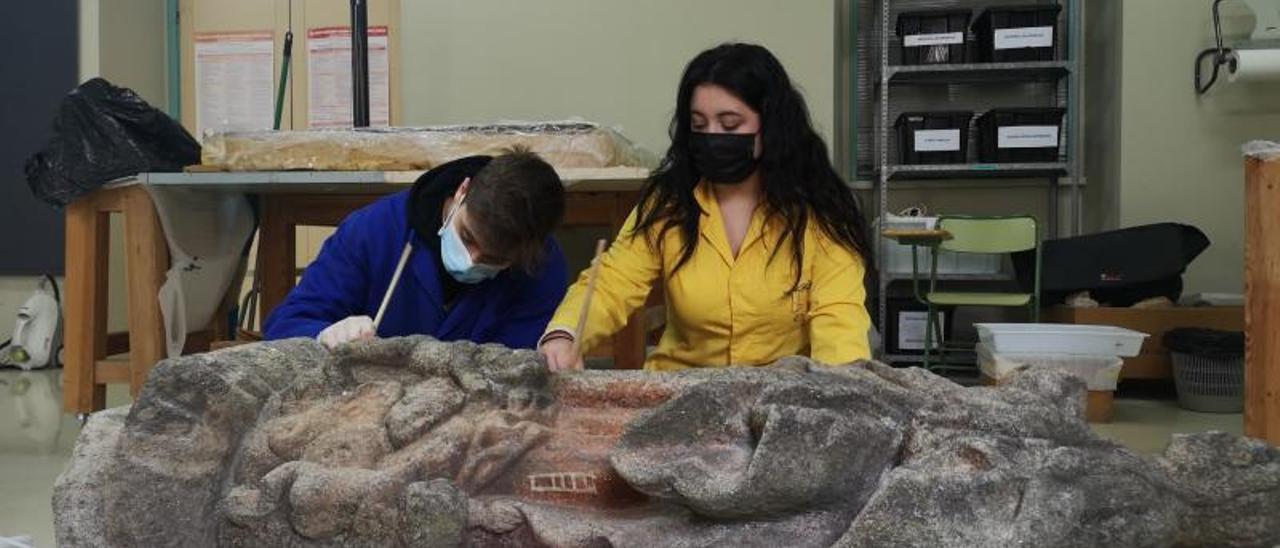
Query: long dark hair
x=796, y=173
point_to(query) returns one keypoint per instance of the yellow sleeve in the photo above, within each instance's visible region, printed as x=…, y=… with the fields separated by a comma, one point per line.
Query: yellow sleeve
x=838, y=319
x=628, y=270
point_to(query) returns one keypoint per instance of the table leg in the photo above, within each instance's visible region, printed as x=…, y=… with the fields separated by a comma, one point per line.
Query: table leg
x=1262, y=289
x=88, y=234
x=277, y=242
x=147, y=260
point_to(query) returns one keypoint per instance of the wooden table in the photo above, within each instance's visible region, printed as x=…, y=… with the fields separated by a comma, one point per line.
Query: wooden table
x=87, y=368
x=597, y=197
x=927, y=237
x=1154, y=360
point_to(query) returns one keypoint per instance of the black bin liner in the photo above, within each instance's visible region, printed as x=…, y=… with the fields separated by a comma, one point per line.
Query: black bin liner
x=1118, y=268
x=103, y=132
x=1205, y=343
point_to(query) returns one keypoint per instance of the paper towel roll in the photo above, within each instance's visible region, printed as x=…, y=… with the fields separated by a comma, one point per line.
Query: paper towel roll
x=1255, y=65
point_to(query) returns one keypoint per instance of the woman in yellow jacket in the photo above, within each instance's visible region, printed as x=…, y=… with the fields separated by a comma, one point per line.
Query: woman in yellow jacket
x=755, y=238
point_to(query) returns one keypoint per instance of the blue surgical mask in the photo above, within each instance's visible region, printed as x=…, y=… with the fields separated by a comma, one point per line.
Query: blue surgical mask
x=456, y=257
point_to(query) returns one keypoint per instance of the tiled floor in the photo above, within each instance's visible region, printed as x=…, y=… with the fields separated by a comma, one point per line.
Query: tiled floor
x=36, y=441
x=1146, y=425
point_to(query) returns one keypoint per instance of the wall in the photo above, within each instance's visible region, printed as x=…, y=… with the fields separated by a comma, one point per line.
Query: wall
x=1180, y=158
x=1102, y=114
x=616, y=62
x=131, y=53
x=132, y=47
x=38, y=62
x=123, y=41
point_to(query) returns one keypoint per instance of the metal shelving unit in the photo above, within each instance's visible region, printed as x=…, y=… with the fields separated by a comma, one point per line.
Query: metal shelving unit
x=1063, y=75
x=954, y=357
x=978, y=73
x=977, y=171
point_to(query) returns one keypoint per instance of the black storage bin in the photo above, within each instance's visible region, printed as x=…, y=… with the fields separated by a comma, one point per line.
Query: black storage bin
x=1029, y=135
x=933, y=37
x=1012, y=34
x=946, y=142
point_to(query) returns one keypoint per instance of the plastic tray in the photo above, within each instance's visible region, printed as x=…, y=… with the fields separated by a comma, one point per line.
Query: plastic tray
x=1048, y=338
x=1100, y=373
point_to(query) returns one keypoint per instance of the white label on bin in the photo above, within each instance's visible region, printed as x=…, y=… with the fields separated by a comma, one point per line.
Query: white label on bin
x=939, y=39
x=1027, y=137
x=937, y=140
x=911, y=329
x=1025, y=37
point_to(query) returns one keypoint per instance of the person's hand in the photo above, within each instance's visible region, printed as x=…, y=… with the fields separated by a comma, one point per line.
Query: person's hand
x=561, y=355
x=354, y=328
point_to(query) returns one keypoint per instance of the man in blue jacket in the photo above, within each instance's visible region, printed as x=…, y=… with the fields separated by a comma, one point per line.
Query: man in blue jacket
x=482, y=266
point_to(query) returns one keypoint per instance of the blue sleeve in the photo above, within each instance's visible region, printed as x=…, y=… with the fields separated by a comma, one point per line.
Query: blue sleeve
x=536, y=302
x=332, y=288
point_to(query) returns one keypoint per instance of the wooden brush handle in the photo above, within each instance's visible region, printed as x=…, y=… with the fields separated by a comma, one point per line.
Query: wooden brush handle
x=391, y=289
x=586, y=301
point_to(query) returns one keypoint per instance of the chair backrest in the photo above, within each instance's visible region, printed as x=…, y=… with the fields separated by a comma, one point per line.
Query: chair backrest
x=990, y=234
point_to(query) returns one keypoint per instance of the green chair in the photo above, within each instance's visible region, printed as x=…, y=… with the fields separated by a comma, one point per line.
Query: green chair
x=981, y=235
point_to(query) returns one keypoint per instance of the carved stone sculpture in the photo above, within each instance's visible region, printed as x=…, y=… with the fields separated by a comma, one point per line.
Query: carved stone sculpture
x=413, y=442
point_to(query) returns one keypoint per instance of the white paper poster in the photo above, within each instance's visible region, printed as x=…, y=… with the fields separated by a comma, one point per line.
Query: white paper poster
x=233, y=76
x=937, y=140
x=329, y=72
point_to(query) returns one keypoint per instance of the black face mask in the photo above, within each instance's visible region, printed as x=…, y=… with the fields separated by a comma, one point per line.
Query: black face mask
x=723, y=158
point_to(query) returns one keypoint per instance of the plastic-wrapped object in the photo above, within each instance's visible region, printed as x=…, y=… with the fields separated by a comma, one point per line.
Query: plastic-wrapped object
x=1262, y=150
x=562, y=144
x=104, y=132
x=206, y=233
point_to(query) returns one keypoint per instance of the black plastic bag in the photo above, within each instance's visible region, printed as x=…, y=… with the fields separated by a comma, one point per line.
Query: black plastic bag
x=1119, y=268
x=101, y=133
x=1205, y=343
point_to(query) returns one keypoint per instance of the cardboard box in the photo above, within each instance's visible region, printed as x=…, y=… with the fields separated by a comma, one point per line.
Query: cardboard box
x=1098, y=404
x=1153, y=362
